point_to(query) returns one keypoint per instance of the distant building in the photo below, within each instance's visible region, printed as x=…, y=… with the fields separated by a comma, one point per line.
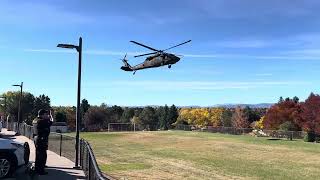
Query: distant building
x=59, y=127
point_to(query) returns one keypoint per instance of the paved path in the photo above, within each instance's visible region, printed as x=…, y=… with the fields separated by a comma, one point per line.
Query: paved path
x=59, y=168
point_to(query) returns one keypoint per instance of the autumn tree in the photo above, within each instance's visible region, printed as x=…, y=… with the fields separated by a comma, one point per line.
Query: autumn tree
x=184, y=116
x=258, y=124
x=282, y=112
x=239, y=118
x=309, y=116
x=200, y=117
x=215, y=116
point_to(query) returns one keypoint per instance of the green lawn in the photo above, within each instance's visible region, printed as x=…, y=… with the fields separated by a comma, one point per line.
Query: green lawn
x=200, y=155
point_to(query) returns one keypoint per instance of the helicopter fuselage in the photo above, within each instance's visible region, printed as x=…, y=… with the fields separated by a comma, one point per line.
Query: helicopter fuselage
x=157, y=60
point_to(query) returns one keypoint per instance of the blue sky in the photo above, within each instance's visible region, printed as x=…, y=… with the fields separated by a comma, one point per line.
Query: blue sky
x=242, y=51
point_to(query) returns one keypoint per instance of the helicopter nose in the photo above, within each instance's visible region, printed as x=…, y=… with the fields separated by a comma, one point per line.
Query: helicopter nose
x=177, y=59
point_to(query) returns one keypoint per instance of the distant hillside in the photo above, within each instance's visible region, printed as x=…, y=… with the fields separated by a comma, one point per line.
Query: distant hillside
x=261, y=105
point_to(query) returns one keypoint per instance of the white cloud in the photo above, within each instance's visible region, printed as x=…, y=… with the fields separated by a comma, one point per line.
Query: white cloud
x=288, y=55
x=264, y=74
x=196, y=85
x=244, y=44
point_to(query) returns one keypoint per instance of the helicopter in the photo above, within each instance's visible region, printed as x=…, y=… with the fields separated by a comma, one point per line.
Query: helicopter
x=158, y=58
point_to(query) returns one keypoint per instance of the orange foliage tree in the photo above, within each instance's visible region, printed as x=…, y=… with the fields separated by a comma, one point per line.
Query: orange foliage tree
x=309, y=116
x=282, y=112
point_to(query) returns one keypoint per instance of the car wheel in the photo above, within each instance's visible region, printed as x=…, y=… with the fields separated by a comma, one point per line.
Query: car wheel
x=6, y=166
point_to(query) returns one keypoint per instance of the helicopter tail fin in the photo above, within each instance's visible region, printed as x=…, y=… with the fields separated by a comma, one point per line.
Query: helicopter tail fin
x=126, y=66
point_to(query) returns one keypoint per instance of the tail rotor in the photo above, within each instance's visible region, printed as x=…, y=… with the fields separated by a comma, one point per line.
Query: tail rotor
x=126, y=66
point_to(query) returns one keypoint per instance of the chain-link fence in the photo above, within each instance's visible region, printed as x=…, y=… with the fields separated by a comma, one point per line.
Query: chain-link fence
x=64, y=145
x=223, y=130
x=238, y=131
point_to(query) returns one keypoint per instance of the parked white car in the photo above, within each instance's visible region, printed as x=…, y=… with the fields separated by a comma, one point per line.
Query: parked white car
x=12, y=156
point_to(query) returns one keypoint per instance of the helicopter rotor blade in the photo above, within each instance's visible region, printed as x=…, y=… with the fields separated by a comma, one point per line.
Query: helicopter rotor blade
x=177, y=45
x=144, y=46
x=145, y=54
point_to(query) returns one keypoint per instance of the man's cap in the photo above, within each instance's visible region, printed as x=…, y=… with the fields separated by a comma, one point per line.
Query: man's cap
x=42, y=112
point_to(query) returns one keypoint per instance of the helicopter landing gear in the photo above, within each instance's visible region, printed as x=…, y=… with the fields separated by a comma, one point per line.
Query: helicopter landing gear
x=134, y=72
x=169, y=66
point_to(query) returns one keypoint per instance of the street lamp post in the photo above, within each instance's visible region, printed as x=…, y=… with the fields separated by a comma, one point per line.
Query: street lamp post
x=78, y=116
x=20, y=99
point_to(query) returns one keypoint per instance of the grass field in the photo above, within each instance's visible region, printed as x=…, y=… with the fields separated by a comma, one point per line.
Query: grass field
x=199, y=155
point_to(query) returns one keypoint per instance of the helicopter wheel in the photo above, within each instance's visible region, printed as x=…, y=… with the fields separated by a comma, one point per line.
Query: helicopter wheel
x=169, y=66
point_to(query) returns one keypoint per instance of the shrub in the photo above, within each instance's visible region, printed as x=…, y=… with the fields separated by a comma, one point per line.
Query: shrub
x=317, y=139
x=287, y=126
x=310, y=137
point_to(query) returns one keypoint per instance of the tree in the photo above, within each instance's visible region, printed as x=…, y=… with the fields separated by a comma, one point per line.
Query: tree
x=95, y=118
x=173, y=115
x=60, y=116
x=200, y=117
x=41, y=102
x=115, y=113
x=84, y=106
x=258, y=124
x=239, y=118
x=148, y=118
x=215, y=116
x=226, y=120
x=280, y=99
x=27, y=105
x=282, y=112
x=309, y=116
x=137, y=122
x=252, y=114
x=184, y=117
x=127, y=115
x=287, y=126
x=71, y=117
x=295, y=99
x=163, y=116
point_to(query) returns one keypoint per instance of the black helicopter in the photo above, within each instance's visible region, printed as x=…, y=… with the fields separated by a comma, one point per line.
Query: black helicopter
x=157, y=58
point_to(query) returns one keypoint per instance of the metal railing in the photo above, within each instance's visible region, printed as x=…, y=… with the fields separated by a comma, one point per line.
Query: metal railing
x=238, y=131
x=64, y=145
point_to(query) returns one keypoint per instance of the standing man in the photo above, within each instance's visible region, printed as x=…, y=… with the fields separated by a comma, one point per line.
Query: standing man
x=41, y=131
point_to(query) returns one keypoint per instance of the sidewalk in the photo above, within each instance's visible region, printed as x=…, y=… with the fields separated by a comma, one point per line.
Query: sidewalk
x=59, y=168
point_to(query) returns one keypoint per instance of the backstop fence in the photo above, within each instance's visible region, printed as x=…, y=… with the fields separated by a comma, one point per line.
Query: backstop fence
x=65, y=146
x=238, y=131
